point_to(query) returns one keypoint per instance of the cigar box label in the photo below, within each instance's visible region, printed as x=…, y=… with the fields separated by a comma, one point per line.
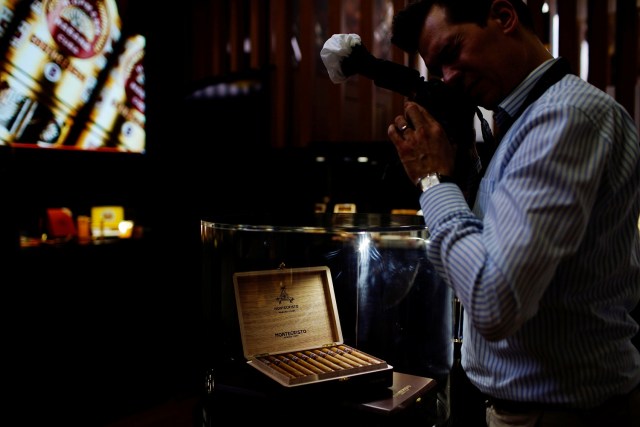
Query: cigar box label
x=288, y=306
x=290, y=334
x=286, y=310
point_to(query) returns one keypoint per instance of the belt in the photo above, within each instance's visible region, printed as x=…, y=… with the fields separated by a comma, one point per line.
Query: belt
x=516, y=407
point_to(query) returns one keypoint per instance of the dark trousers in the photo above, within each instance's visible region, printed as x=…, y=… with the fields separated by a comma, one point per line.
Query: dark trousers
x=619, y=411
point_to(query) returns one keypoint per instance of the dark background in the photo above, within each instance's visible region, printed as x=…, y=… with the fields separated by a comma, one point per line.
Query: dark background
x=99, y=331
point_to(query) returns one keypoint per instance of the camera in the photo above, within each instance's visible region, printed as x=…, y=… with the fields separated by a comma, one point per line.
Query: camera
x=449, y=107
x=452, y=110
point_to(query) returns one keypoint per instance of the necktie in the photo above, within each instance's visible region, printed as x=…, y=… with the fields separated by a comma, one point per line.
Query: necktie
x=472, y=182
x=487, y=135
x=490, y=144
x=503, y=122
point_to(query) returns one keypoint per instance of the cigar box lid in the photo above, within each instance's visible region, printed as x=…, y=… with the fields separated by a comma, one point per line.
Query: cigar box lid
x=286, y=310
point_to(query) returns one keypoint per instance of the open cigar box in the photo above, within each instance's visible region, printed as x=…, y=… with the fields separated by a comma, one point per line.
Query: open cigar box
x=291, y=332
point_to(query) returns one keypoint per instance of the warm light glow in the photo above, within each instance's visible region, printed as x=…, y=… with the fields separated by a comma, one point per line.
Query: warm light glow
x=363, y=159
x=125, y=228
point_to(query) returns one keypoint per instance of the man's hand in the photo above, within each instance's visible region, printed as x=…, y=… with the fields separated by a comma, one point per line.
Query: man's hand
x=422, y=143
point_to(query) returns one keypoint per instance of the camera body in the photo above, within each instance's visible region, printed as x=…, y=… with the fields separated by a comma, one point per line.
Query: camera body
x=450, y=108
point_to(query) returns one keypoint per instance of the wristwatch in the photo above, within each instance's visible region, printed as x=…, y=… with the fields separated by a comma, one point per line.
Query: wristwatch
x=432, y=179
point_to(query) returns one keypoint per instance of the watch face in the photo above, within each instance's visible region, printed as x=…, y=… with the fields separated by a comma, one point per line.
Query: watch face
x=429, y=181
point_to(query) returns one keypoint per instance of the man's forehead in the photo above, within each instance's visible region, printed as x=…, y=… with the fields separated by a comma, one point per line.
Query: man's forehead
x=436, y=32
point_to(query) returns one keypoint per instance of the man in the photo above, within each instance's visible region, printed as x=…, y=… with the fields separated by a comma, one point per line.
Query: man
x=547, y=264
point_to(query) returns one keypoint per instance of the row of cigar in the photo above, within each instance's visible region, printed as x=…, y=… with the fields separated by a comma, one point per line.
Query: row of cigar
x=318, y=361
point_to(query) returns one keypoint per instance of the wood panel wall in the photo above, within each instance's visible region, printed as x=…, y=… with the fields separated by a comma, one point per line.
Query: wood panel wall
x=282, y=38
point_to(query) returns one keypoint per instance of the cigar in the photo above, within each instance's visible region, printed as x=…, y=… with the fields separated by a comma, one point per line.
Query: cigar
x=358, y=354
x=351, y=357
x=311, y=359
x=349, y=362
x=303, y=362
x=330, y=359
x=295, y=365
x=286, y=367
x=276, y=368
x=322, y=358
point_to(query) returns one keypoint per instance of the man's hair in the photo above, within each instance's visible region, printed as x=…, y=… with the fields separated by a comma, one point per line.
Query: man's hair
x=407, y=24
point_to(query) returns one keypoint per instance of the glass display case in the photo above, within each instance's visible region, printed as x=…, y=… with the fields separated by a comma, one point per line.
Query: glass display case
x=390, y=301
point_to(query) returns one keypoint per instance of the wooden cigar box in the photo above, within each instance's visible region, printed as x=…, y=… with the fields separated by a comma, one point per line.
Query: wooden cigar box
x=291, y=332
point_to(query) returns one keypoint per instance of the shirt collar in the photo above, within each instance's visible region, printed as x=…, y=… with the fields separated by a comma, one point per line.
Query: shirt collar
x=512, y=103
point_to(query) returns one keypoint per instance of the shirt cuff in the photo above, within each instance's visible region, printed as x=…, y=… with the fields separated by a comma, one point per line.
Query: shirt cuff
x=438, y=203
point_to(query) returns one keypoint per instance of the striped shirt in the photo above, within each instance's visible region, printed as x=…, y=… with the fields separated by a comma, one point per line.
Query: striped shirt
x=547, y=265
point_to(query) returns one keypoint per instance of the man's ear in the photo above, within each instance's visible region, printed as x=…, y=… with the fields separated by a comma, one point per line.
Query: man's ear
x=504, y=13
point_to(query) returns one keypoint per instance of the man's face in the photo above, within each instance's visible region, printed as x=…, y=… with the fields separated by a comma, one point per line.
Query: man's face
x=467, y=56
